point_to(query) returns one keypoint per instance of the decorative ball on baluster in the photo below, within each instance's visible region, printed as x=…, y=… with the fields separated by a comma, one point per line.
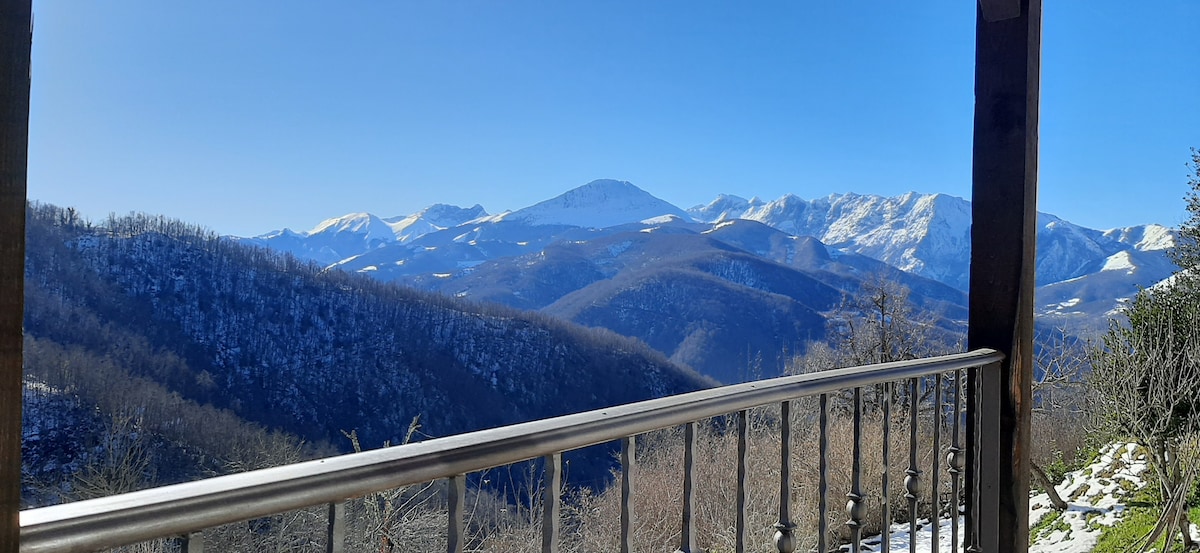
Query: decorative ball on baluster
x=955, y=459
x=912, y=483
x=856, y=508
x=785, y=540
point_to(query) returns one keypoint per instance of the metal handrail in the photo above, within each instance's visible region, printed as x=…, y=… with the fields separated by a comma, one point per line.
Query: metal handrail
x=184, y=508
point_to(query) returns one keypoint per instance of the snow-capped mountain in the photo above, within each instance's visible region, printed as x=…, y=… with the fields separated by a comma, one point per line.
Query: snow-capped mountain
x=1081, y=272
x=369, y=227
x=337, y=239
x=432, y=219
x=929, y=234
x=598, y=204
x=726, y=206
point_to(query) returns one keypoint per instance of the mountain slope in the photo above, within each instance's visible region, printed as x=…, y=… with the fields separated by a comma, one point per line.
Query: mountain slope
x=733, y=317
x=718, y=300
x=316, y=352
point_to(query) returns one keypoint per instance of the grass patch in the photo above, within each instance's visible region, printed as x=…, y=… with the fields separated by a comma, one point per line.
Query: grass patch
x=1136, y=523
x=1124, y=535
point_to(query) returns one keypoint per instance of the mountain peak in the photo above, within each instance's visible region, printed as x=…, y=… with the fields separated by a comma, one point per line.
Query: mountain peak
x=726, y=206
x=370, y=226
x=597, y=204
x=432, y=219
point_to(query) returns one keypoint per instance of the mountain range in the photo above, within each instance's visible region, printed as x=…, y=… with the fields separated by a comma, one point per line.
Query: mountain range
x=613, y=255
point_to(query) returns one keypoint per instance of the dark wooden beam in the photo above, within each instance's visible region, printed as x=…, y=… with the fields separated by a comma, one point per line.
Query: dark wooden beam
x=999, y=10
x=1003, y=240
x=15, y=41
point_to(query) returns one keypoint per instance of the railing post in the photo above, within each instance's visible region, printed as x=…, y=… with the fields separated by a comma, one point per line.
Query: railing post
x=912, y=476
x=935, y=517
x=192, y=543
x=823, y=478
x=16, y=29
x=886, y=545
x=954, y=460
x=335, y=530
x=855, y=507
x=742, y=458
x=785, y=540
x=628, y=466
x=551, y=502
x=456, y=495
x=687, y=531
x=988, y=464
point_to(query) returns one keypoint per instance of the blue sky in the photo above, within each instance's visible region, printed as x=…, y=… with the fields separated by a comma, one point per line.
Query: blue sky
x=252, y=116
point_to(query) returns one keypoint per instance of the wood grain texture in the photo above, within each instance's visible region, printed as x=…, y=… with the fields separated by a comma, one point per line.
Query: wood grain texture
x=15, y=41
x=1003, y=236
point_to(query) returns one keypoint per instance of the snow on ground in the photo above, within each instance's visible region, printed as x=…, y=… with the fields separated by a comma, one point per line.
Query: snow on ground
x=1094, y=493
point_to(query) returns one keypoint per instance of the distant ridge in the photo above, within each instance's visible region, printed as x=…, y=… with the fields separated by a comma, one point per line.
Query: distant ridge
x=925, y=234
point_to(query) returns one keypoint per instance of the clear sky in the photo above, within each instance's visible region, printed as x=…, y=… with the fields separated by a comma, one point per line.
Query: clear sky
x=252, y=116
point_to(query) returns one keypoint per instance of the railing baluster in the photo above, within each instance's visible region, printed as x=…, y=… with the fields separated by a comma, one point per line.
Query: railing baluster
x=174, y=511
x=886, y=545
x=823, y=479
x=192, y=543
x=954, y=459
x=974, y=425
x=935, y=517
x=742, y=458
x=551, y=502
x=912, y=482
x=785, y=541
x=854, y=504
x=687, y=538
x=335, y=529
x=456, y=495
x=628, y=463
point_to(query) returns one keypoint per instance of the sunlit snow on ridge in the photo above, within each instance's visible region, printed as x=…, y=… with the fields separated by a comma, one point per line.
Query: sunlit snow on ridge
x=1119, y=261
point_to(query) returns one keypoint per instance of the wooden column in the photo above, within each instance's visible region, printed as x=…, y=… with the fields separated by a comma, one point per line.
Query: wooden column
x=15, y=41
x=1003, y=237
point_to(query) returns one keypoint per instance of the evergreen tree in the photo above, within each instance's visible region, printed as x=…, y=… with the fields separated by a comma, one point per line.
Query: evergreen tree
x=1146, y=375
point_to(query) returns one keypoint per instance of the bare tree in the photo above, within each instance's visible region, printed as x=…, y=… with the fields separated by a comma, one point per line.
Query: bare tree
x=1146, y=382
x=1059, y=393
x=879, y=325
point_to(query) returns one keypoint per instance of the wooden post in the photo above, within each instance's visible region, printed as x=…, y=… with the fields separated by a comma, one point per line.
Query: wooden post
x=15, y=41
x=1003, y=236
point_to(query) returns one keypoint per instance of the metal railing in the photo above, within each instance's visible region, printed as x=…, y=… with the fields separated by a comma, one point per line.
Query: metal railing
x=185, y=510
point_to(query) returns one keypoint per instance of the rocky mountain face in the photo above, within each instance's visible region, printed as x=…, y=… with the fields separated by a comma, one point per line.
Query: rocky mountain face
x=1082, y=273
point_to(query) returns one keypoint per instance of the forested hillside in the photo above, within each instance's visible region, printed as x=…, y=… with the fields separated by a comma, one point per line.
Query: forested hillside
x=284, y=344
